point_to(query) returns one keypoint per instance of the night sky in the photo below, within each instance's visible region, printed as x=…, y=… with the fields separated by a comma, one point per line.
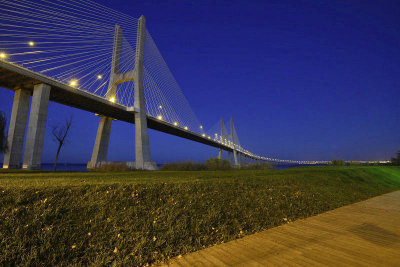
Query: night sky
x=303, y=80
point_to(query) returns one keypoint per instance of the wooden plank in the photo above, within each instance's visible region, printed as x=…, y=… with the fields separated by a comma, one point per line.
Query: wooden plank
x=362, y=234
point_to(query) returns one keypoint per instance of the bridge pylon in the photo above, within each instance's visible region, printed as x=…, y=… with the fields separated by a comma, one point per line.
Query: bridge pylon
x=100, y=149
x=235, y=154
x=142, y=145
x=222, y=137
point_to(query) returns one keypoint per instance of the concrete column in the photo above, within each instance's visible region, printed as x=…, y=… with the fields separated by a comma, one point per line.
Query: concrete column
x=230, y=157
x=16, y=132
x=220, y=154
x=142, y=145
x=235, y=158
x=100, y=149
x=37, y=127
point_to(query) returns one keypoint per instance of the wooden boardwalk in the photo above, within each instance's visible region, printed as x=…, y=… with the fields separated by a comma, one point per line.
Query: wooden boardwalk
x=362, y=234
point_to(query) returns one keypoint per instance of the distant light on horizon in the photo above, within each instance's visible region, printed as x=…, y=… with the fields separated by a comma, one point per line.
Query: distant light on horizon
x=31, y=43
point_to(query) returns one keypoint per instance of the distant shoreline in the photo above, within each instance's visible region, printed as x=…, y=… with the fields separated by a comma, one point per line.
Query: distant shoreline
x=81, y=167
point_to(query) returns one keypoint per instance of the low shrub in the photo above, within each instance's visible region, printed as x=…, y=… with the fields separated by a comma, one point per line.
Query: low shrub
x=183, y=166
x=113, y=167
x=256, y=166
x=211, y=164
x=337, y=162
x=214, y=164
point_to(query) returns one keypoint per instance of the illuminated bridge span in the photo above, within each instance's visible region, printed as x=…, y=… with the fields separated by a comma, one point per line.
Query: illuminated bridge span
x=82, y=54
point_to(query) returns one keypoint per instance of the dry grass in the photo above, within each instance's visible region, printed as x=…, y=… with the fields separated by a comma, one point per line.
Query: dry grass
x=138, y=218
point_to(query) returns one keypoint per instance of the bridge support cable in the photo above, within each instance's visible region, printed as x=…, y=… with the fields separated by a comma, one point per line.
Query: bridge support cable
x=69, y=41
x=164, y=97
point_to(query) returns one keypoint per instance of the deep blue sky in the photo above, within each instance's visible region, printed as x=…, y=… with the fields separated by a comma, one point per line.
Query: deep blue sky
x=306, y=80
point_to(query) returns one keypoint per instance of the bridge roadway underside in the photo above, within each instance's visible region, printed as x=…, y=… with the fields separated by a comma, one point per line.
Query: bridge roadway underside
x=14, y=77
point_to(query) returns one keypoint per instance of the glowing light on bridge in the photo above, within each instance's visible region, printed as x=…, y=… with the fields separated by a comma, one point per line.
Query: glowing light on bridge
x=112, y=99
x=186, y=128
x=31, y=43
x=175, y=124
x=3, y=55
x=201, y=126
x=160, y=107
x=204, y=135
x=99, y=77
x=159, y=117
x=73, y=83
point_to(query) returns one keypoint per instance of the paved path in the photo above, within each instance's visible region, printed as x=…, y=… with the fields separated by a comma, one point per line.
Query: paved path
x=362, y=234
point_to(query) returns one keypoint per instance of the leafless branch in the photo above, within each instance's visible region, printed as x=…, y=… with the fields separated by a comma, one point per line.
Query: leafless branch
x=60, y=134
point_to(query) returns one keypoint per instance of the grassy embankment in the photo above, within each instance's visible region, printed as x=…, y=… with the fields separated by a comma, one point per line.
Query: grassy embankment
x=144, y=217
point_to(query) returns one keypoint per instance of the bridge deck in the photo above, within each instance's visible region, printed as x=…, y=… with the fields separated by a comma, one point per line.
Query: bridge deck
x=15, y=77
x=363, y=234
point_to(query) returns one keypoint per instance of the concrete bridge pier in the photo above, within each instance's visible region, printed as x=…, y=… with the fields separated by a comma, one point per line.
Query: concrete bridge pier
x=220, y=154
x=235, y=158
x=16, y=131
x=37, y=125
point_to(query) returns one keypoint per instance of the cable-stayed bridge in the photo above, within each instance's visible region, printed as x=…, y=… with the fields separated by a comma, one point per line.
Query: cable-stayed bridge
x=85, y=55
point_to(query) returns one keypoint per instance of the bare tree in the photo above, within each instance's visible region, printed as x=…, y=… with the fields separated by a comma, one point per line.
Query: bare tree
x=3, y=134
x=60, y=134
